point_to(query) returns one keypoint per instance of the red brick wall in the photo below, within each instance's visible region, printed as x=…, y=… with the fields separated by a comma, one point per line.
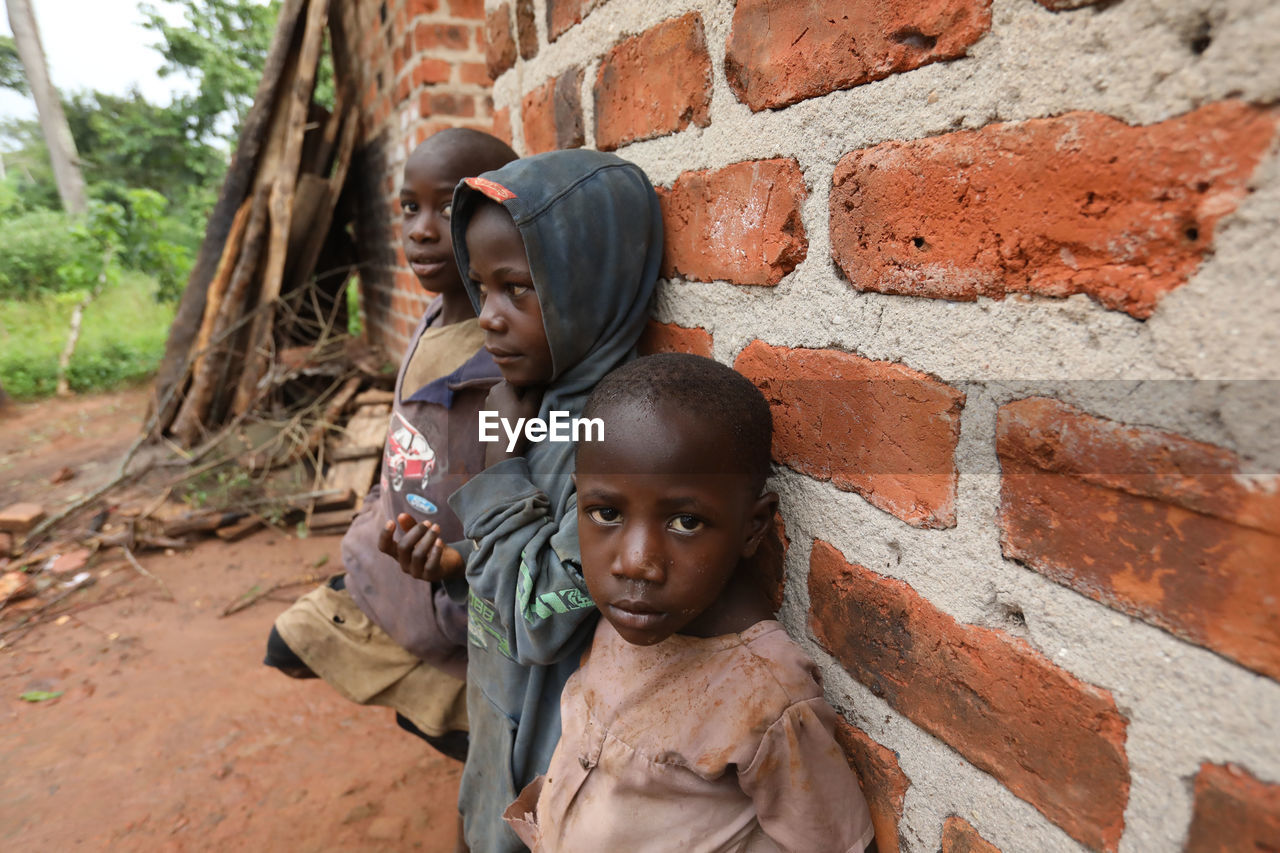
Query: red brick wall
x=995, y=264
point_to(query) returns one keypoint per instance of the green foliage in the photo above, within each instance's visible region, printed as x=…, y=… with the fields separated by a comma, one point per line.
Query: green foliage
x=33, y=248
x=44, y=252
x=121, y=340
x=12, y=75
x=222, y=46
x=128, y=142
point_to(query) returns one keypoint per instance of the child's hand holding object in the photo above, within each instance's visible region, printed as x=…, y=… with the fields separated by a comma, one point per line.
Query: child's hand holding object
x=420, y=552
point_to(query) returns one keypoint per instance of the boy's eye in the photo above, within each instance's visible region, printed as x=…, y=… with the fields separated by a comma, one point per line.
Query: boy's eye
x=604, y=515
x=518, y=289
x=409, y=207
x=686, y=524
x=447, y=211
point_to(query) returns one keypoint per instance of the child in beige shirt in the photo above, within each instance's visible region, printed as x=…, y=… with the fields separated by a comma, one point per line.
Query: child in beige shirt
x=695, y=723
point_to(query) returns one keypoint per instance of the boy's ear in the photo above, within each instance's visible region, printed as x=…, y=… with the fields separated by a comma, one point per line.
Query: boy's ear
x=574, y=479
x=762, y=513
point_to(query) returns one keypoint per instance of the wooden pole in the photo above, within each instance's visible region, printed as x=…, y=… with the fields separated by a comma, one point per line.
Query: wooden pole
x=282, y=200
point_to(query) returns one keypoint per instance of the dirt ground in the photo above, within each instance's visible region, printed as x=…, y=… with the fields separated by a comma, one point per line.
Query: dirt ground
x=169, y=733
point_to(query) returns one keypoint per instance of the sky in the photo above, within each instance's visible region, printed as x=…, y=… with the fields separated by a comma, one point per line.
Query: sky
x=96, y=44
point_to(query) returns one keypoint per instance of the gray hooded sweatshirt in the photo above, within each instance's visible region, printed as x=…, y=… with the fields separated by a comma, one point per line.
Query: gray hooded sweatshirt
x=592, y=233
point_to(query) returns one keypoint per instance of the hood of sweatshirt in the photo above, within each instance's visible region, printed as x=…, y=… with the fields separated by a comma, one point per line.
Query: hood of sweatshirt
x=592, y=232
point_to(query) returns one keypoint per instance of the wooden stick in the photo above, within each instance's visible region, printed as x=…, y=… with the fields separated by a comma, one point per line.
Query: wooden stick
x=133, y=561
x=221, y=278
x=236, y=187
x=254, y=595
x=282, y=198
x=73, y=336
x=190, y=421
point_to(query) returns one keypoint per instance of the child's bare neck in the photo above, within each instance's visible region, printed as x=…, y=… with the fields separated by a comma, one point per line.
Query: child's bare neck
x=455, y=308
x=741, y=605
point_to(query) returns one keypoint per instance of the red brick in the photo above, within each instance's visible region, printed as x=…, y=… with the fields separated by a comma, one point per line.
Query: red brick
x=526, y=29
x=653, y=84
x=958, y=836
x=1082, y=203
x=1154, y=524
x=431, y=71
x=563, y=14
x=20, y=517
x=441, y=36
x=502, y=124
x=668, y=337
x=781, y=52
x=883, y=782
x=877, y=428
x=1047, y=736
x=1233, y=811
x=403, y=88
x=552, y=114
x=476, y=73
x=414, y=8
x=739, y=224
x=500, y=45
x=473, y=9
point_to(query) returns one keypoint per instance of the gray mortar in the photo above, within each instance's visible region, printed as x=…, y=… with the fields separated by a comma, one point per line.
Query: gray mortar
x=1131, y=60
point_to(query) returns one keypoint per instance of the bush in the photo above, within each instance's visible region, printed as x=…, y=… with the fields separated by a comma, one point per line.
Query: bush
x=33, y=248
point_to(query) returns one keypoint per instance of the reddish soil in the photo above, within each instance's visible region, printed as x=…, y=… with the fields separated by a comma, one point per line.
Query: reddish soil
x=170, y=734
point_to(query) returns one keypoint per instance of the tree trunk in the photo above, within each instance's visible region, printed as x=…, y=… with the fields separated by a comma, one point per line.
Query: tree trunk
x=57, y=134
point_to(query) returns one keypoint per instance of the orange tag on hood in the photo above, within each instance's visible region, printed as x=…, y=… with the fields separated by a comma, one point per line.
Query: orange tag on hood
x=492, y=189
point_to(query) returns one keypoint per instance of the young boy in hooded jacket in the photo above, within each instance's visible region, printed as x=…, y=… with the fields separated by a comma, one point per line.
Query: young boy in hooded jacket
x=560, y=254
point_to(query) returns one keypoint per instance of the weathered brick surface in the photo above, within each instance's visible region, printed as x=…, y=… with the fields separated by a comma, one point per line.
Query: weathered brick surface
x=1051, y=739
x=500, y=44
x=441, y=37
x=1233, y=812
x=1154, y=524
x=668, y=337
x=739, y=224
x=959, y=836
x=563, y=14
x=526, y=29
x=883, y=782
x=782, y=52
x=1082, y=203
x=653, y=84
x=552, y=114
x=502, y=124
x=877, y=428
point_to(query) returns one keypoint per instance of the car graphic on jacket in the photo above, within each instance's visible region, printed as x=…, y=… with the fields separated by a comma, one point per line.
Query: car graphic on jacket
x=408, y=456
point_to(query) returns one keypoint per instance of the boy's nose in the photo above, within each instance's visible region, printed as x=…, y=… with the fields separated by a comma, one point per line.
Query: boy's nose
x=424, y=228
x=491, y=319
x=639, y=560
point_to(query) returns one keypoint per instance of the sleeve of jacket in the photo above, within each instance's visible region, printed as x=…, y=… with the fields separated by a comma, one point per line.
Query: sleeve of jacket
x=526, y=565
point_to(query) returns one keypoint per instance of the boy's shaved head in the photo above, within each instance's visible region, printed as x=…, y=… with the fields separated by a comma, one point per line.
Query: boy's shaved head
x=721, y=400
x=468, y=152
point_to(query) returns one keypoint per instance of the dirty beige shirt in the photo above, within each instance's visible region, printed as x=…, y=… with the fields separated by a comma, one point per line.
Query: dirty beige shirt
x=720, y=744
x=440, y=351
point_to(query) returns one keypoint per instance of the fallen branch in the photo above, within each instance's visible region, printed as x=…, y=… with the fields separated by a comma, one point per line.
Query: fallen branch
x=133, y=561
x=256, y=594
